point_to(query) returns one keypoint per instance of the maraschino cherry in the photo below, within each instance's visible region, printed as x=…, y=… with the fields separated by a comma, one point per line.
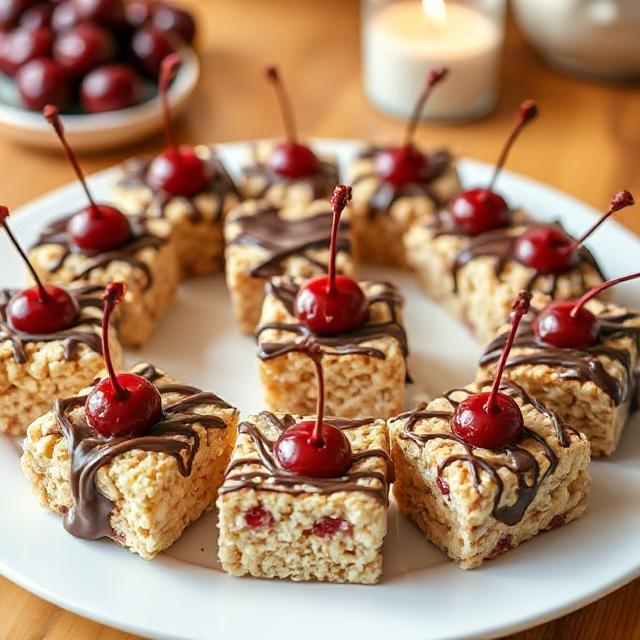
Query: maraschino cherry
x=289, y=159
x=482, y=209
x=333, y=303
x=317, y=449
x=97, y=227
x=548, y=249
x=177, y=170
x=122, y=404
x=41, y=309
x=492, y=419
x=406, y=164
x=568, y=324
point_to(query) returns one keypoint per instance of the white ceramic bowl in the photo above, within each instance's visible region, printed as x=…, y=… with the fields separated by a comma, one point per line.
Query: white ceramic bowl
x=100, y=131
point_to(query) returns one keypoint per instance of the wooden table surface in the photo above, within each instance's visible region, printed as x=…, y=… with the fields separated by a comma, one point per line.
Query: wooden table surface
x=586, y=142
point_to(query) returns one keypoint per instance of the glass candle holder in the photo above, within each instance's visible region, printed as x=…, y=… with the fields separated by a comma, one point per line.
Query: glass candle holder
x=403, y=39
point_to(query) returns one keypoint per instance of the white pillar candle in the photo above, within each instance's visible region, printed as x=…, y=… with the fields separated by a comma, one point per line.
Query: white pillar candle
x=403, y=40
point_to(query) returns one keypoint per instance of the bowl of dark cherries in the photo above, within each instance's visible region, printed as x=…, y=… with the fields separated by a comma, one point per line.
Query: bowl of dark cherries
x=98, y=61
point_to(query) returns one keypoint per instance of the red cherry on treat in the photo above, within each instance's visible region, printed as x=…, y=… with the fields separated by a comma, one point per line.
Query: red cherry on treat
x=174, y=20
x=568, y=324
x=65, y=15
x=84, y=47
x=316, y=449
x=406, y=164
x=493, y=420
x=125, y=403
x=97, y=227
x=289, y=159
x=40, y=309
x=548, y=249
x=178, y=170
x=22, y=45
x=150, y=47
x=109, y=88
x=37, y=16
x=478, y=210
x=43, y=81
x=332, y=304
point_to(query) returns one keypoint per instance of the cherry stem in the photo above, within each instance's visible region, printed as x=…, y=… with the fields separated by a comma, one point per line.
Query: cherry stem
x=580, y=302
x=52, y=114
x=286, y=111
x=520, y=309
x=527, y=111
x=435, y=75
x=4, y=214
x=621, y=200
x=113, y=294
x=316, y=439
x=168, y=69
x=340, y=199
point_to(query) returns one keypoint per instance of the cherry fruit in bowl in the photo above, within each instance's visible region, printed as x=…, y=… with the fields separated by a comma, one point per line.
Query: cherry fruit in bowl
x=10, y=12
x=43, y=81
x=64, y=16
x=37, y=16
x=109, y=88
x=84, y=47
x=23, y=45
x=122, y=404
x=150, y=46
x=107, y=12
x=173, y=20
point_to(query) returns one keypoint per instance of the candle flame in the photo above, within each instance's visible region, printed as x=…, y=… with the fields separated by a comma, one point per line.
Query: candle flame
x=435, y=10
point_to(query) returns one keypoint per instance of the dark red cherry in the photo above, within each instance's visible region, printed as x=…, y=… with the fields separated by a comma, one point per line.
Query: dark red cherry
x=107, y=12
x=292, y=160
x=37, y=16
x=547, y=249
x=23, y=45
x=84, y=47
x=123, y=404
x=100, y=229
x=150, y=47
x=65, y=15
x=332, y=304
x=138, y=12
x=10, y=11
x=178, y=172
x=556, y=325
x=174, y=20
x=327, y=527
x=109, y=88
x=43, y=81
x=479, y=210
x=400, y=165
x=259, y=518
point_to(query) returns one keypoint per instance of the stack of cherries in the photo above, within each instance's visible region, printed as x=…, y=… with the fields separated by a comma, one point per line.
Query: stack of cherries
x=97, y=54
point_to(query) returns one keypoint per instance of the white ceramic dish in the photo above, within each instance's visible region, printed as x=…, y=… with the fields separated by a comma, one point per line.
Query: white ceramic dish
x=423, y=596
x=100, y=131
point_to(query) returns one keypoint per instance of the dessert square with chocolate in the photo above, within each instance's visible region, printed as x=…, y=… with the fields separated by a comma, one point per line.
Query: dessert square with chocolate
x=278, y=523
x=140, y=489
x=264, y=240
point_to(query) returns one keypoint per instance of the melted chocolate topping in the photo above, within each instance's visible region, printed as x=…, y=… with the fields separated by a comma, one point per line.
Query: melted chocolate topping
x=141, y=238
x=583, y=365
x=386, y=193
x=283, y=238
x=270, y=477
x=516, y=459
x=175, y=435
x=135, y=176
x=84, y=297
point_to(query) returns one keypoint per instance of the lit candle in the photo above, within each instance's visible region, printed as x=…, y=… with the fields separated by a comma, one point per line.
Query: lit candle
x=402, y=40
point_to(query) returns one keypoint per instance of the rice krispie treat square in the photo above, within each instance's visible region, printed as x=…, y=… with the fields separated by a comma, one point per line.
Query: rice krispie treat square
x=146, y=264
x=194, y=223
x=477, y=278
x=275, y=524
x=365, y=369
x=383, y=212
x=36, y=369
x=592, y=389
x=258, y=181
x=264, y=240
x=475, y=503
x=140, y=491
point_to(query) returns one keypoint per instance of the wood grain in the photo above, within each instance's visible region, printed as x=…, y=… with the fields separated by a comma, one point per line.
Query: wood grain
x=587, y=142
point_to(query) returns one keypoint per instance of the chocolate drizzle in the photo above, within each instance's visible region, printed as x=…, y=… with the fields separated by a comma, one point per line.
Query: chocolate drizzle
x=384, y=196
x=175, y=435
x=270, y=477
x=141, y=238
x=84, y=297
x=135, y=176
x=283, y=238
x=583, y=365
x=515, y=458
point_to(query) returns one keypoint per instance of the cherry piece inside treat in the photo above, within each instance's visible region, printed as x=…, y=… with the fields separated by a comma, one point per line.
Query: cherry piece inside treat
x=327, y=527
x=289, y=159
x=97, y=227
x=482, y=209
x=41, y=309
x=492, y=419
x=259, y=518
x=548, y=249
x=122, y=404
x=177, y=170
x=316, y=449
x=333, y=303
x=406, y=164
x=568, y=324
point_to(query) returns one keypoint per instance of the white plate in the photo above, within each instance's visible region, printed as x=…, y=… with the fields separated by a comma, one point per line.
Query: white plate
x=99, y=131
x=423, y=596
